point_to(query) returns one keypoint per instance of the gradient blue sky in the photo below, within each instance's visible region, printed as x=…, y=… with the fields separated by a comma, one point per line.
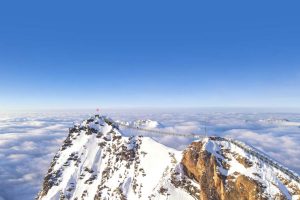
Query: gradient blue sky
x=75, y=54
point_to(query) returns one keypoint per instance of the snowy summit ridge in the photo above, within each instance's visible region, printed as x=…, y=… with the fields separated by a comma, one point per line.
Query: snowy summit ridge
x=97, y=162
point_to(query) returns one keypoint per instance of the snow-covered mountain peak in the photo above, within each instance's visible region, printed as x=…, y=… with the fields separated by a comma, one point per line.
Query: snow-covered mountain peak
x=278, y=122
x=142, y=123
x=97, y=162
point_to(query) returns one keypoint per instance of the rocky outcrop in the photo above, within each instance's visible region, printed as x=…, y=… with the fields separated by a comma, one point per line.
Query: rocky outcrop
x=210, y=163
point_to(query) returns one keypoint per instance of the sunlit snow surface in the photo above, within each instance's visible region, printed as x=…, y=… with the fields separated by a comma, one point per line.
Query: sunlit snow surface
x=28, y=141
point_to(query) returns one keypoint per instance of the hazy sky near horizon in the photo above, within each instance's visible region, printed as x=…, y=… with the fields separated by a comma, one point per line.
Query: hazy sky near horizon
x=72, y=54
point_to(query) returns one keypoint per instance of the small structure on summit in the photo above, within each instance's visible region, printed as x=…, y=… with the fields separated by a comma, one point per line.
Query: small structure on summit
x=97, y=115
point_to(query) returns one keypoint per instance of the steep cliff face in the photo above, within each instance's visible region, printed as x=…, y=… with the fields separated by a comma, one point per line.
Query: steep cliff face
x=226, y=172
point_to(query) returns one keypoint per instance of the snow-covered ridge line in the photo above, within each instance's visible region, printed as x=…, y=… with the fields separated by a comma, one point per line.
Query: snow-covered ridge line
x=263, y=157
x=244, y=146
x=97, y=162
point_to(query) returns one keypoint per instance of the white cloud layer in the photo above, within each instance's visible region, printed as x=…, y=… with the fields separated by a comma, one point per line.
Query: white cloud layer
x=28, y=142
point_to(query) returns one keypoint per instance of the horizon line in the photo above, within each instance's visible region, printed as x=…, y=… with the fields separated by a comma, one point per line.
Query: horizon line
x=158, y=108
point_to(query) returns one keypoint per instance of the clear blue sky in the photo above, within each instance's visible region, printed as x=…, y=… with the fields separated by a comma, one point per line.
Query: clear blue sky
x=78, y=54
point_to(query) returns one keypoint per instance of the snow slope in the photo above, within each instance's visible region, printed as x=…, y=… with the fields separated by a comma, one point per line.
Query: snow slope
x=96, y=162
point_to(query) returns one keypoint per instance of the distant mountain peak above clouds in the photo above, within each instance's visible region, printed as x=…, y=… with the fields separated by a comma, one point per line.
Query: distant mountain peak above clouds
x=143, y=123
x=97, y=162
x=278, y=122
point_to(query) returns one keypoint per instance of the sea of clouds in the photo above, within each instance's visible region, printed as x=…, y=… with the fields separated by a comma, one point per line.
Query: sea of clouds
x=28, y=141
